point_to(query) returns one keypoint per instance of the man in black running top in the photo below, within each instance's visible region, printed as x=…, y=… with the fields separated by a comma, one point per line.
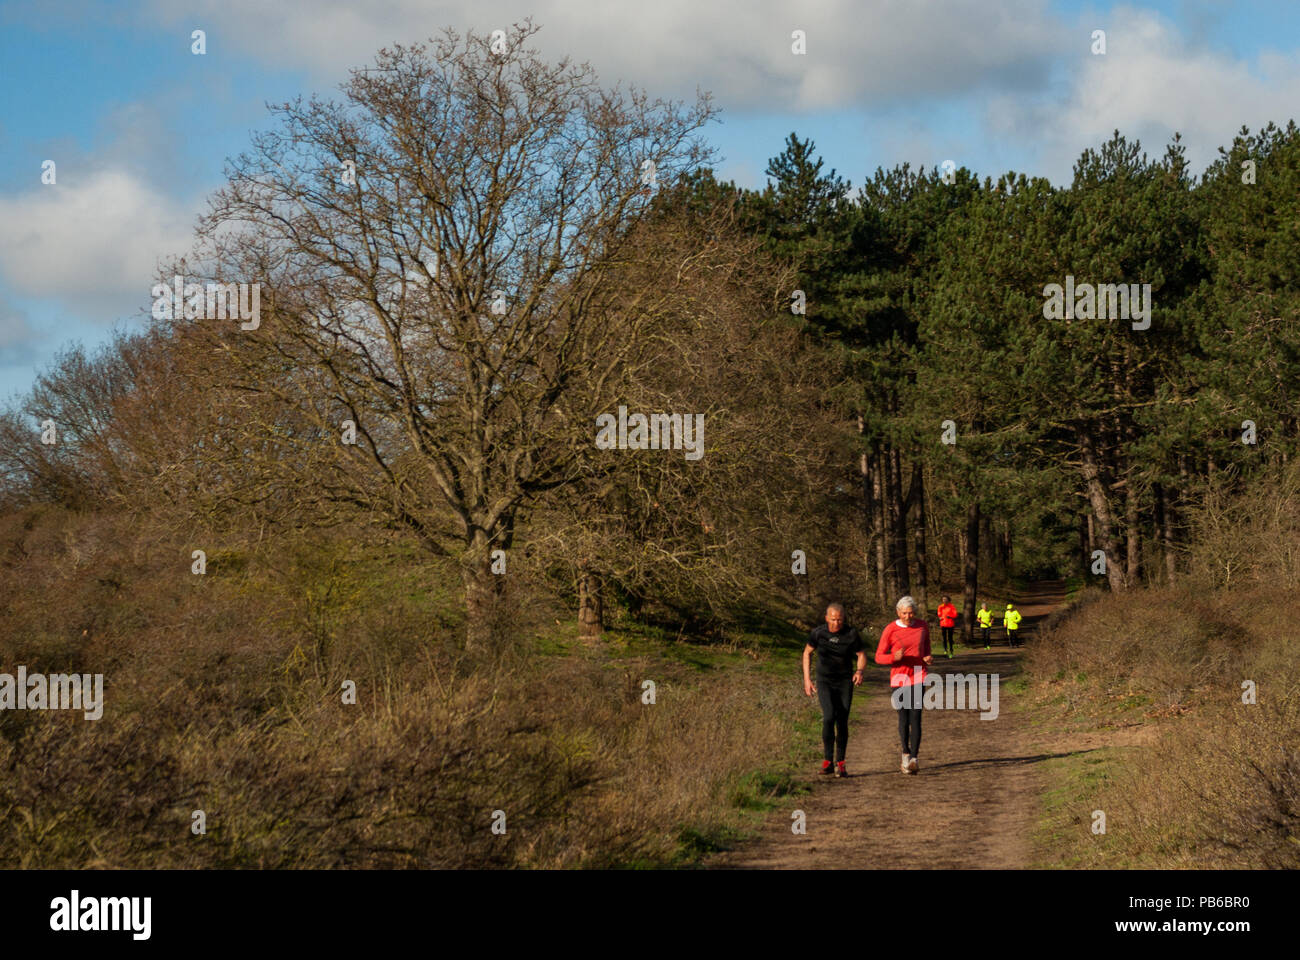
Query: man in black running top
x=835, y=645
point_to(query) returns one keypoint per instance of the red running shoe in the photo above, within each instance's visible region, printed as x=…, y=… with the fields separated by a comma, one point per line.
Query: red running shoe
x=840, y=771
x=827, y=767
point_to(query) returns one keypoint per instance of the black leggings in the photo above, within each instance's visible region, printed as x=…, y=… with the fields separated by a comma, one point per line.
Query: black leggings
x=909, y=727
x=836, y=697
x=984, y=632
x=947, y=638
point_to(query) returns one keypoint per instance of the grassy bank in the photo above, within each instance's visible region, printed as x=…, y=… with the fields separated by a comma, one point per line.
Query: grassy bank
x=1186, y=773
x=226, y=693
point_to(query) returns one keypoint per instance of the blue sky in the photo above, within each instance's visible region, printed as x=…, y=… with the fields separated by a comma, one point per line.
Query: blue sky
x=139, y=127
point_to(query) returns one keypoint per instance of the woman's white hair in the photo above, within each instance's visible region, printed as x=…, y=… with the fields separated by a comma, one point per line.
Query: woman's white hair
x=907, y=602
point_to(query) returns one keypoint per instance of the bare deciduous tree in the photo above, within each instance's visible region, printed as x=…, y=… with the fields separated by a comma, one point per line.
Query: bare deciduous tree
x=435, y=256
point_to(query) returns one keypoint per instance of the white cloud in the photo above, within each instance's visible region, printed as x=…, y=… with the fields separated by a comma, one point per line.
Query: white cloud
x=859, y=53
x=92, y=243
x=1150, y=83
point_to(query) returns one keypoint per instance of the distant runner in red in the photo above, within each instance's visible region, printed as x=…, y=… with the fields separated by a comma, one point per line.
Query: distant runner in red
x=947, y=620
x=905, y=646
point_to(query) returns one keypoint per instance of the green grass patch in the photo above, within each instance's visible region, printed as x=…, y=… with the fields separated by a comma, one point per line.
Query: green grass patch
x=694, y=843
x=762, y=791
x=1017, y=685
x=1063, y=838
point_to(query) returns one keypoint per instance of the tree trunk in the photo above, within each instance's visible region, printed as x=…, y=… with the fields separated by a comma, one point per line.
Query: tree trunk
x=1105, y=531
x=918, y=531
x=878, y=523
x=972, y=569
x=898, y=527
x=937, y=560
x=888, y=508
x=1175, y=502
x=872, y=570
x=1133, y=538
x=483, y=588
x=480, y=605
x=1162, y=526
x=1132, y=495
x=1132, y=527
x=591, y=606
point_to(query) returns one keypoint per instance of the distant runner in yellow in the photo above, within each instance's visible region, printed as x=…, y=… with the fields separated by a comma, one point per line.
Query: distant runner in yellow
x=1011, y=620
x=985, y=617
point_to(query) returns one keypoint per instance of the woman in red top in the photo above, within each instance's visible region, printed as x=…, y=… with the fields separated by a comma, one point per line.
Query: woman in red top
x=947, y=620
x=905, y=646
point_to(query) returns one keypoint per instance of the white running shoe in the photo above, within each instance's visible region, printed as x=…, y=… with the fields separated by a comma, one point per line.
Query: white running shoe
x=904, y=767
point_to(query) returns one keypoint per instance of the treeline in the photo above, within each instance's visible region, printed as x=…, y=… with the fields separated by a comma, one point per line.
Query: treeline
x=474, y=256
x=1042, y=436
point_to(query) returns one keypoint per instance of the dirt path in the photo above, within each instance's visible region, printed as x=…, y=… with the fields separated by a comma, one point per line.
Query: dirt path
x=972, y=805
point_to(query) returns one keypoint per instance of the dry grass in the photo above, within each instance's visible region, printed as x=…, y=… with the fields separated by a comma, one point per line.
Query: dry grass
x=1219, y=784
x=224, y=695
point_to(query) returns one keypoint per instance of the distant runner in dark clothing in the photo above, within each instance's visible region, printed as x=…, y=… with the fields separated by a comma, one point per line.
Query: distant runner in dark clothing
x=837, y=646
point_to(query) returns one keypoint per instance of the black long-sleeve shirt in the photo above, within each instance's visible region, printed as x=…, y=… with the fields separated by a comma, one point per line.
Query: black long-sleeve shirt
x=836, y=652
